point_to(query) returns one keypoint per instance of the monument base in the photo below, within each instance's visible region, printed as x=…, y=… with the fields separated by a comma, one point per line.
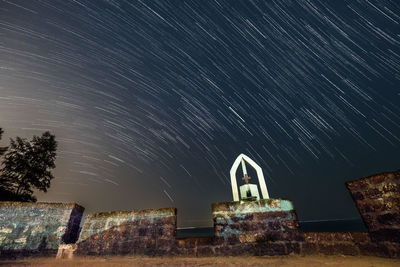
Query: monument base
x=269, y=226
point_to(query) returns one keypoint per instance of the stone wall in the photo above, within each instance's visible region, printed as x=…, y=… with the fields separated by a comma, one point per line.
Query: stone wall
x=264, y=227
x=347, y=243
x=270, y=227
x=37, y=228
x=378, y=200
x=149, y=232
x=308, y=243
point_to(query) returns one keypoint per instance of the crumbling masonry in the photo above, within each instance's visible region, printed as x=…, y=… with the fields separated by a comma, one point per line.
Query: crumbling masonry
x=263, y=227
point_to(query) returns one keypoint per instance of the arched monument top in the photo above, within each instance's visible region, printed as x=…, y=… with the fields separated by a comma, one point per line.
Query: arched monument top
x=259, y=171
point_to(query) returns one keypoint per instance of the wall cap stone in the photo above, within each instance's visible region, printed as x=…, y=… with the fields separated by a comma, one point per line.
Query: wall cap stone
x=375, y=177
x=263, y=205
x=15, y=203
x=162, y=211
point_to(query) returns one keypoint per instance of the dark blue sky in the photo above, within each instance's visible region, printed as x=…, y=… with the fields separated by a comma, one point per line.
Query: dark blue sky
x=152, y=101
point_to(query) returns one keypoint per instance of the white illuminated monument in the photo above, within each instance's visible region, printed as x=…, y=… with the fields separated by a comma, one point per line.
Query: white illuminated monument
x=247, y=191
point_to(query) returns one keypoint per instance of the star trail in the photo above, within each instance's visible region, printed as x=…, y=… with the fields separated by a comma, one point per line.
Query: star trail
x=152, y=101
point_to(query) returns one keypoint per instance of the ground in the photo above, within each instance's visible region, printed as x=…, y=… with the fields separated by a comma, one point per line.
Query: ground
x=298, y=261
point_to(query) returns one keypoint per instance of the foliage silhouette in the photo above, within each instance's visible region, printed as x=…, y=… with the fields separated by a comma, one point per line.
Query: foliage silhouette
x=27, y=166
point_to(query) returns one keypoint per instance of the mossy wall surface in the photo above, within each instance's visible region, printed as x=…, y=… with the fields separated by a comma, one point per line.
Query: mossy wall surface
x=29, y=228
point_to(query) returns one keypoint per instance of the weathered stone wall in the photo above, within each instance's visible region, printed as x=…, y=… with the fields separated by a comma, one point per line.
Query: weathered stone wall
x=195, y=246
x=348, y=243
x=264, y=227
x=354, y=243
x=149, y=232
x=378, y=200
x=37, y=228
x=270, y=227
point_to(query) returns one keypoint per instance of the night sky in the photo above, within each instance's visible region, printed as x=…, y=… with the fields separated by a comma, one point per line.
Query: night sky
x=152, y=101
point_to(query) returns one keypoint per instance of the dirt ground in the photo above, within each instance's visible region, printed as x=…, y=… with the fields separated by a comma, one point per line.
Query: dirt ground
x=299, y=261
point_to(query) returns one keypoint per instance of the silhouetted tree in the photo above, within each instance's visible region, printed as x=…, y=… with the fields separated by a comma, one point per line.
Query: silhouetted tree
x=27, y=165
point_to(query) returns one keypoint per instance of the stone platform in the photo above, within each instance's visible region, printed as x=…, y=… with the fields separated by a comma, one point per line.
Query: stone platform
x=263, y=227
x=266, y=227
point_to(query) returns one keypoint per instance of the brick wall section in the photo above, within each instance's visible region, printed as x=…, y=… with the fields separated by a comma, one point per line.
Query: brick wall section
x=148, y=232
x=270, y=227
x=195, y=246
x=311, y=243
x=264, y=227
x=347, y=243
x=378, y=200
x=37, y=228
